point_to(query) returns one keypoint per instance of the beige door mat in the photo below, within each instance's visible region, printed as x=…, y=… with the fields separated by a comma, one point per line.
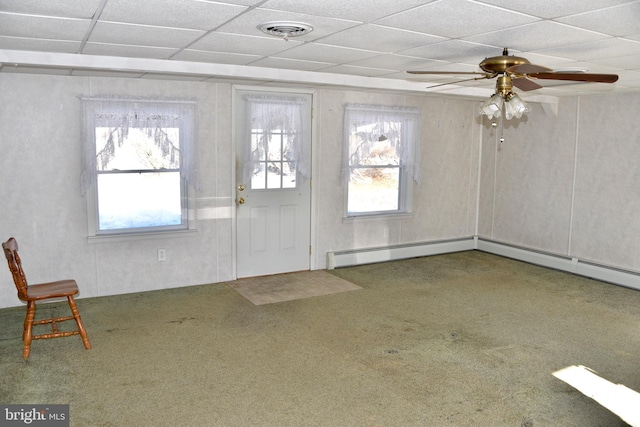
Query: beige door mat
x=290, y=286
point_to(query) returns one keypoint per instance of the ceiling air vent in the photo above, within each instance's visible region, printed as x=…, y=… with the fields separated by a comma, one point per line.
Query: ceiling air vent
x=285, y=29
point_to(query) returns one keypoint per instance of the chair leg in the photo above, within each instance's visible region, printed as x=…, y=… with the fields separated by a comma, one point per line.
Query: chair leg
x=81, y=329
x=27, y=334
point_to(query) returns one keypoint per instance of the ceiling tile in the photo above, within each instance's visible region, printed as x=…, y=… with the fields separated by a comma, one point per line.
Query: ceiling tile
x=626, y=62
x=538, y=35
x=456, y=51
x=356, y=10
x=326, y=53
x=61, y=8
x=456, y=18
x=199, y=15
x=142, y=35
x=553, y=8
x=240, y=43
x=291, y=64
x=128, y=51
x=42, y=45
x=396, y=62
x=214, y=57
x=388, y=39
x=618, y=21
x=597, y=50
x=42, y=27
x=357, y=71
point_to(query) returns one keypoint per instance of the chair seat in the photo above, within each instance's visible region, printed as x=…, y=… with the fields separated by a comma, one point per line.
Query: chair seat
x=58, y=289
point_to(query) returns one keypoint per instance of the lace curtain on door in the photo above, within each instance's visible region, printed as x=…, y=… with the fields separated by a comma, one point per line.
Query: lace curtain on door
x=367, y=124
x=154, y=116
x=267, y=114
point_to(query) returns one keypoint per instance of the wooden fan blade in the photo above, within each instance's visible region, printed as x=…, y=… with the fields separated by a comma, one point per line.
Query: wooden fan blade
x=525, y=84
x=578, y=77
x=450, y=73
x=527, y=69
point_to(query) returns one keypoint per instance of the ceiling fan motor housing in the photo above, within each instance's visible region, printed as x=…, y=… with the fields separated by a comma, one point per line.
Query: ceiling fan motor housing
x=500, y=64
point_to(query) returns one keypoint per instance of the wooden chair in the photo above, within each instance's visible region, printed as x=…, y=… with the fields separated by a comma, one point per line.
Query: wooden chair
x=40, y=292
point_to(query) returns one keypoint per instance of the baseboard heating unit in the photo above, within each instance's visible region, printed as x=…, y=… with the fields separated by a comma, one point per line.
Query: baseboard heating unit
x=393, y=253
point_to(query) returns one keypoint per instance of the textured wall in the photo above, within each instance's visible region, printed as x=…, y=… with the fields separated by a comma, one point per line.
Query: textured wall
x=567, y=185
x=444, y=203
x=42, y=206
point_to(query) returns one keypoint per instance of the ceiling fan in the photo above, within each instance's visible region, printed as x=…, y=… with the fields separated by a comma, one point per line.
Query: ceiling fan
x=519, y=72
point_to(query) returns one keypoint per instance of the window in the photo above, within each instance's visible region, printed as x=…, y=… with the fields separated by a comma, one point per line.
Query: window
x=138, y=165
x=381, y=158
x=277, y=129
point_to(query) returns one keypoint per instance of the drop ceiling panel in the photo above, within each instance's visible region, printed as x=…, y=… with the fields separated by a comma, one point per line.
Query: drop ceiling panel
x=455, y=51
x=143, y=35
x=42, y=27
x=239, y=43
x=620, y=20
x=326, y=53
x=128, y=51
x=62, y=8
x=456, y=18
x=215, y=57
x=199, y=15
x=389, y=40
x=596, y=51
x=357, y=71
x=43, y=45
x=291, y=64
x=554, y=8
x=356, y=10
x=396, y=62
x=538, y=35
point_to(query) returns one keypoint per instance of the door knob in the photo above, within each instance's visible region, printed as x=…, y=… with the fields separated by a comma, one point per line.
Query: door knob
x=241, y=200
x=241, y=187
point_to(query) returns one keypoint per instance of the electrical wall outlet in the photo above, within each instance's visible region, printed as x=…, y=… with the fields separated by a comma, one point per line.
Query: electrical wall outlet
x=162, y=255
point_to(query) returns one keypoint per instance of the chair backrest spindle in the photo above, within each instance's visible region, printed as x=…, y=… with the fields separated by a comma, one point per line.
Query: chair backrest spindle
x=15, y=266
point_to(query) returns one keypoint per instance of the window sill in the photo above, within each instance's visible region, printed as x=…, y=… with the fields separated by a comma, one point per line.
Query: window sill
x=377, y=217
x=104, y=238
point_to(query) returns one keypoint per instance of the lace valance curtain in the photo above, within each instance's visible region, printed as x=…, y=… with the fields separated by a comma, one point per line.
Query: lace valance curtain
x=267, y=114
x=154, y=116
x=369, y=123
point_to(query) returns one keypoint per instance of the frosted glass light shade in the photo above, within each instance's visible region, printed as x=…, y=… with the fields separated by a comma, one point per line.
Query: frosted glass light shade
x=493, y=106
x=515, y=107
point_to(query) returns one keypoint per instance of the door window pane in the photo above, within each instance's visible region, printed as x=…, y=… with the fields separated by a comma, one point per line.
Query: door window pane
x=274, y=168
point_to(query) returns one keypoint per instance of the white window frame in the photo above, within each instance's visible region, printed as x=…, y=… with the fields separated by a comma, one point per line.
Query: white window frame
x=409, y=154
x=183, y=116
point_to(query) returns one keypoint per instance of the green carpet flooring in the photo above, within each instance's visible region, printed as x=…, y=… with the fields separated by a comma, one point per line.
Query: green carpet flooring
x=466, y=339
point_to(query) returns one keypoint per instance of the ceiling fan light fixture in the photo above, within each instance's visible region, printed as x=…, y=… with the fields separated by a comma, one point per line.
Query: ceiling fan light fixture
x=493, y=106
x=514, y=106
x=509, y=105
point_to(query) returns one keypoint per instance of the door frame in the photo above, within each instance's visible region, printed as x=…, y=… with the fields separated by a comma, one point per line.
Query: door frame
x=313, y=232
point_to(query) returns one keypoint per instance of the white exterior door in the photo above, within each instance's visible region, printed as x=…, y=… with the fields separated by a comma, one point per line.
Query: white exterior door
x=273, y=198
